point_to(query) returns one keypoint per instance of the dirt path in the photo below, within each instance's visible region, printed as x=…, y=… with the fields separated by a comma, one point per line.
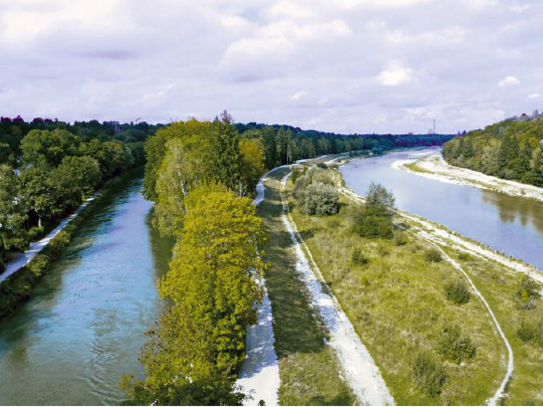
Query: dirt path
x=259, y=374
x=361, y=372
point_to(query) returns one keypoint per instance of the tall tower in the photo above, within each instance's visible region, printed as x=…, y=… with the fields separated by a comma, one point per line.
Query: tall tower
x=434, y=126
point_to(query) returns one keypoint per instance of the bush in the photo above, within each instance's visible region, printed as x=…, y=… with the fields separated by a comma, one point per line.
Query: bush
x=357, y=258
x=454, y=347
x=528, y=293
x=432, y=256
x=322, y=165
x=464, y=257
x=39, y=264
x=457, y=292
x=370, y=222
x=529, y=332
x=320, y=199
x=400, y=238
x=429, y=376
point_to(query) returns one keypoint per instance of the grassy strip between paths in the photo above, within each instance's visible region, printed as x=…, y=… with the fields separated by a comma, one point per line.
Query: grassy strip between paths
x=396, y=301
x=308, y=367
x=17, y=288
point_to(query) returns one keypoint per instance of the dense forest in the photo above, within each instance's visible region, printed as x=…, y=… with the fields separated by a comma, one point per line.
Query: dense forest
x=510, y=149
x=286, y=144
x=47, y=168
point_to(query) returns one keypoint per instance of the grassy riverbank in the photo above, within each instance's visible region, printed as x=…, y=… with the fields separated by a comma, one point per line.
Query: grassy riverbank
x=396, y=300
x=308, y=367
x=17, y=288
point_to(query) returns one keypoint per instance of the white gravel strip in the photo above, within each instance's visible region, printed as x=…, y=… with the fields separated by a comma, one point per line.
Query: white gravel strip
x=359, y=368
x=259, y=375
x=439, y=170
x=22, y=259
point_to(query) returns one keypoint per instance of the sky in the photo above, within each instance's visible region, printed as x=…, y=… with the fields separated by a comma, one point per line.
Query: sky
x=348, y=66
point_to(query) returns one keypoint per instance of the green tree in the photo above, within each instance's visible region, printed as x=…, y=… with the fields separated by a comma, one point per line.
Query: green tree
x=229, y=160
x=13, y=211
x=48, y=146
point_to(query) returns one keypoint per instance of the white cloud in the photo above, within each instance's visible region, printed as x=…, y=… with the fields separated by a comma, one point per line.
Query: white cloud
x=533, y=96
x=395, y=74
x=508, y=81
x=298, y=95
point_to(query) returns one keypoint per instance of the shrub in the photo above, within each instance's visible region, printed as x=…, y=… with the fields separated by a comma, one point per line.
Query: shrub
x=400, y=238
x=432, y=256
x=464, y=257
x=320, y=199
x=39, y=264
x=429, y=376
x=457, y=292
x=322, y=165
x=528, y=293
x=529, y=332
x=454, y=347
x=370, y=222
x=358, y=258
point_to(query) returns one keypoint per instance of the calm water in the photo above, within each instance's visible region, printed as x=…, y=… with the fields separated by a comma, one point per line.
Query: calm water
x=84, y=325
x=513, y=225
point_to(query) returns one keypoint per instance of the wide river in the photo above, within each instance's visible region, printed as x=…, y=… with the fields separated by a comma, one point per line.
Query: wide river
x=512, y=225
x=84, y=325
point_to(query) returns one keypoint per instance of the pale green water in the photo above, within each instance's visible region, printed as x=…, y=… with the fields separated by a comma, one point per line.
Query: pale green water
x=84, y=325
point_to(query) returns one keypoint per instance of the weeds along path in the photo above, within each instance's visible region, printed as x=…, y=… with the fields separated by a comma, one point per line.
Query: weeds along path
x=361, y=372
x=500, y=393
x=259, y=374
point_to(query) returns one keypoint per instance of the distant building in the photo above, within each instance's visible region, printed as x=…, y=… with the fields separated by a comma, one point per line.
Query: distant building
x=535, y=114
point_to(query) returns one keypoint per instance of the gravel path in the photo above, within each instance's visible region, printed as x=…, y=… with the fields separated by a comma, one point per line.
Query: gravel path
x=359, y=368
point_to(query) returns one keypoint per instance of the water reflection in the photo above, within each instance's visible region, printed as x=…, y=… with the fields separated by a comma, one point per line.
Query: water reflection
x=513, y=225
x=84, y=325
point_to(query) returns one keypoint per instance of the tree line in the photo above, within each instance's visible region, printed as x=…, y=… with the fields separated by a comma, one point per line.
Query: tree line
x=509, y=149
x=48, y=168
x=287, y=144
x=200, y=175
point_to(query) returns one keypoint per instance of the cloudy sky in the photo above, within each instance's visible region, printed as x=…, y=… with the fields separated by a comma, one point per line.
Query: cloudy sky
x=335, y=65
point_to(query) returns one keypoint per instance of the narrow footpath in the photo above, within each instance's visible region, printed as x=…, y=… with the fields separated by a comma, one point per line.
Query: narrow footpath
x=359, y=368
x=22, y=259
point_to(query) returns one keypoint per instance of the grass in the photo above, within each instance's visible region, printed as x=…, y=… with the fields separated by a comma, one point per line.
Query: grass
x=398, y=307
x=309, y=369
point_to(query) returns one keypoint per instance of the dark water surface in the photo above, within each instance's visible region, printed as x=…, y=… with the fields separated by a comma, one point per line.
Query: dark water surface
x=84, y=325
x=513, y=225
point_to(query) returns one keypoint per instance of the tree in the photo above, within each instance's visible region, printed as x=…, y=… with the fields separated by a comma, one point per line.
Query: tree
x=39, y=193
x=380, y=198
x=229, y=160
x=13, y=211
x=320, y=199
x=212, y=288
x=75, y=179
x=252, y=153
x=48, y=146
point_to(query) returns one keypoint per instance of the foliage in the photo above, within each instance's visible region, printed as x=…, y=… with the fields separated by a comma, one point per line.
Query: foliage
x=201, y=337
x=13, y=211
x=315, y=193
x=287, y=144
x=371, y=222
x=528, y=293
x=380, y=198
x=510, y=149
x=400, y=238
x=454, y=347
x=457, y=292
x=432, y=256
x=358, y=258
x=531, y=332
x=428, y=374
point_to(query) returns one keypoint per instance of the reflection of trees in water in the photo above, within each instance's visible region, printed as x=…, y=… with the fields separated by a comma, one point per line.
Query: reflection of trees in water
x=512, y=208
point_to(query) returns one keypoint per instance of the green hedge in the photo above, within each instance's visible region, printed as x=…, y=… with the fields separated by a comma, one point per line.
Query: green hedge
x=17, y=288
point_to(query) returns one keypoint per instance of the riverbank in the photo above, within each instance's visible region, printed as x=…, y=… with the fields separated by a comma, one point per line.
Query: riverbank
x=389, y=302
x=435, y=167
x=23, y=274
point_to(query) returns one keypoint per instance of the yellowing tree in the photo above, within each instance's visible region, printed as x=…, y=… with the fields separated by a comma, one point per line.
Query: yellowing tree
x=212, y=287
x=252, y=155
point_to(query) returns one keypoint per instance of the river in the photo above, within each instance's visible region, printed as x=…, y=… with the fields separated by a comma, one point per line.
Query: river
x=84, y=325
x=512, y=225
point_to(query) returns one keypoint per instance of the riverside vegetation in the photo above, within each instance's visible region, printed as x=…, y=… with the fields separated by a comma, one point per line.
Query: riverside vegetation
x=47, y=170
x=432, y=339
x=199, y=173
